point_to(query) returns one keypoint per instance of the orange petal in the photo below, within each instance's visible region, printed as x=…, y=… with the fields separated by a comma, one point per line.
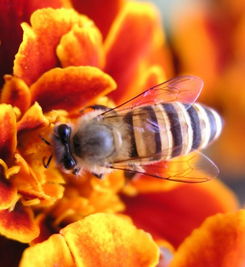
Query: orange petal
x=34, y=186
x=8, y=193
x=200, y=48
x=172, y=215
x=8, y=138
x=220, y=241
x=71, y=87
x=109, y=240
x=25, y=180
x=32, y=119
x=54, y=191
x=37, y=53
x=129, y=42
x=18, y=224
x=101, y=12
x=81, y=46
x=16, y=93
x=53, y=252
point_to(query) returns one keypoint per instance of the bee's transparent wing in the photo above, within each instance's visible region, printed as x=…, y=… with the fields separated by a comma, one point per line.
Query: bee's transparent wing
x=184, y=89
x=193, y=168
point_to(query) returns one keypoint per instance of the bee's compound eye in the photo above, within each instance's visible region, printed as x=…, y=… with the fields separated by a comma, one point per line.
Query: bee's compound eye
x=68, y=162
x=64, y=132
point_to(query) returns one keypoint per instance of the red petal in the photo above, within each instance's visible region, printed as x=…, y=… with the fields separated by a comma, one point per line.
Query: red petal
x=18, y=224
x=8, y=138
x=149, y=77
x=71, y=88
x=101, y=12
x=172, y=215
x=13, y=12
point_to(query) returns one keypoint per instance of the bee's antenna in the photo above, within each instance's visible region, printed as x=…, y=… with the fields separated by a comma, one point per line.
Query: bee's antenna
x=45, y=141
x=46, y=164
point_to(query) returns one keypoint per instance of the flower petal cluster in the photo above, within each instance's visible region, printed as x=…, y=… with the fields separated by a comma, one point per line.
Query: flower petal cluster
x=70, y=57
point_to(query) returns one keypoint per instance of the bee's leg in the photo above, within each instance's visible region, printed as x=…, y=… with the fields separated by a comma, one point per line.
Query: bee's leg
x=98, y=175
x=46, y=164
x=76, y=171
x=100, y=107
x=94, y=107
x=134, y=170
x=129, y=175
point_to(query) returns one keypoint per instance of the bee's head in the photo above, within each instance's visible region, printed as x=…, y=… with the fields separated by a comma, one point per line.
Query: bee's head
x=62, y=148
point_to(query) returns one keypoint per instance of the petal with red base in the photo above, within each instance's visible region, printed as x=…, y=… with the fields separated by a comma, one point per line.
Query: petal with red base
x=172, y=215
x=18, y=224
x=32, y=119
x=53, y=252
x=71, y=88
x=129, y=41
x=8, y=130
x=37, y=52
x=16, y=93
x=81, y=46
x=109, y=240
x=220, y=241
x=13, y=12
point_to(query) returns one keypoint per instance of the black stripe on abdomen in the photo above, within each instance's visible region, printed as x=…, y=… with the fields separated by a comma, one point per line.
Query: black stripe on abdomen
x=153, y=124
x=129, y=120
x=175, y=128
x=195, y=125
x=212, y=122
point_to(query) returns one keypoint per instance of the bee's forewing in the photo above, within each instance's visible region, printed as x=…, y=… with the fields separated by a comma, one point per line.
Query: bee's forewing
x=184, y=89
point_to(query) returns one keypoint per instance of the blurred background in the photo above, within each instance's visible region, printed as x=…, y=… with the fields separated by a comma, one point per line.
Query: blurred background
x=207, y=38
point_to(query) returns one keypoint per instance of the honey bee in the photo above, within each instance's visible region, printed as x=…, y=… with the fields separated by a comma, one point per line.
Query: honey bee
x=157, y=126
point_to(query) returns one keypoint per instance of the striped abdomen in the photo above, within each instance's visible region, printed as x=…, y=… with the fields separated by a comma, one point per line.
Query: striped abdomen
x=167, y=130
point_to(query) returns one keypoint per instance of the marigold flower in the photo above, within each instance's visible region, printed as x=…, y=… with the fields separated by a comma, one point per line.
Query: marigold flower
x=65, y=62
